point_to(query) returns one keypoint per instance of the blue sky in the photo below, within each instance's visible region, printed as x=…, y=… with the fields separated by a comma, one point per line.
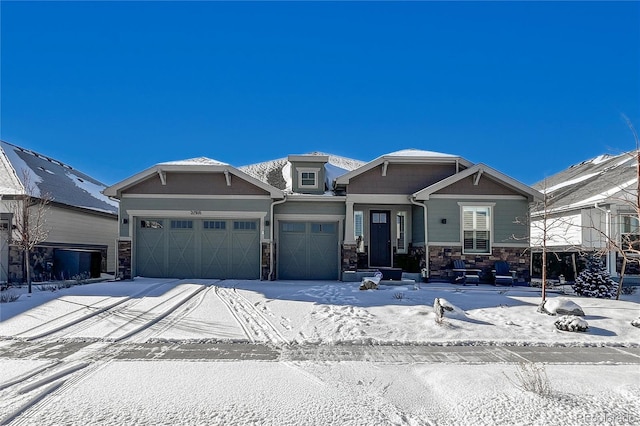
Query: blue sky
x=112, y=88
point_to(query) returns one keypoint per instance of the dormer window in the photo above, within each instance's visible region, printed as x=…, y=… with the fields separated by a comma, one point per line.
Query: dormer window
x=308, y=178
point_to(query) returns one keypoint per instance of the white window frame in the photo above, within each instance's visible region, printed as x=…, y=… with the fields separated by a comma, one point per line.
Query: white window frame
x=315, y=172
x=401, y=232
x=489, y=228
x=634, y=229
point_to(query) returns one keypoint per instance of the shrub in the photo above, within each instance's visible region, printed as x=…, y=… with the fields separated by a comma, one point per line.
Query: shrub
x=8, y=296
x=532, y=377
x=595, y=281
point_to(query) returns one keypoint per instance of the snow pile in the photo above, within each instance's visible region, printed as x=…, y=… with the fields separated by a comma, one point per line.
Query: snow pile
x=562, y=306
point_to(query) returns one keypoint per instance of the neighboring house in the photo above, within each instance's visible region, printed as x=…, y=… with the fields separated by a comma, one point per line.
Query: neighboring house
x=318, y=216
x=81, y=222
x=590, y=207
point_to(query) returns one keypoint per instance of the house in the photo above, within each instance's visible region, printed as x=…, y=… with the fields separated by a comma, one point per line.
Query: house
x=319, y=216
x=82, y=223
x=589, y=207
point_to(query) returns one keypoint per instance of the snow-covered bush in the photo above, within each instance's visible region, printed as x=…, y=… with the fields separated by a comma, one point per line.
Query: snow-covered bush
x=8, y=296
x=636, y=322
x=595, y=281
x=571, y=323
x=440, y=305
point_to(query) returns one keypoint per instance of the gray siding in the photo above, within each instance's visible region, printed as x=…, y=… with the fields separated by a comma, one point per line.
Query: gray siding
x=302, y=207
x=307, y=165
x=400, y=178
x=195, y=183
x=486, y=186
x=417, y=229
x=505, y=213
x=186, y=204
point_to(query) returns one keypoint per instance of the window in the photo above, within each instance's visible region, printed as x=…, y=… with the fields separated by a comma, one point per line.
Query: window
x=181, y=224
x=323, y=228
x=630, y=232
x=379, y=217
x=293, y=227
x=308, y=178
x=250, y=226
x=151, y=224
x=215, y=224
x=401, y=242
x=358, y=230
x=476, y=227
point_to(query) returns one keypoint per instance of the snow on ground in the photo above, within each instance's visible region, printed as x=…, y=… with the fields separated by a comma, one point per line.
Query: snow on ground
x=107, y=389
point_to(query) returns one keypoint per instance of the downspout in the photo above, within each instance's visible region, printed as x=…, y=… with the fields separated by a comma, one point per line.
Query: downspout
x=412, y=199
x=271, y=236
x=607, y=233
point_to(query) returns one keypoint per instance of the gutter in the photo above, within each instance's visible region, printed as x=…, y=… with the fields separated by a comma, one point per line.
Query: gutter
x=413, y=201
x=272, y=227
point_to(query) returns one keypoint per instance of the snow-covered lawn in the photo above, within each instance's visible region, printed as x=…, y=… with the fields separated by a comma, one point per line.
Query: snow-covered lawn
x=110, y=390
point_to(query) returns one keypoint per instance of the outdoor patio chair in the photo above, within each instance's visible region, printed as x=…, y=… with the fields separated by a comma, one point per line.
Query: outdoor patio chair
x=502, y=273
x=464, y=275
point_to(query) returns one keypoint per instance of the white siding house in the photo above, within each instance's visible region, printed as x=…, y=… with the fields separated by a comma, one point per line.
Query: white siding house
x=82, y=223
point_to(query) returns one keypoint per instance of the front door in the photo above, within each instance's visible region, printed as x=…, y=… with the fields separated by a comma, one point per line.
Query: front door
x=380, y=244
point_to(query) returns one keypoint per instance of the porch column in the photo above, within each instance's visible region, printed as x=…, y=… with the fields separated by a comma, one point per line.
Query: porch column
x=348, y=224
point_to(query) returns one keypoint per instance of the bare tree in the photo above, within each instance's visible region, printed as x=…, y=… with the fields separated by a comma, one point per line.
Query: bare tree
x=29, y=221
x=547, y=230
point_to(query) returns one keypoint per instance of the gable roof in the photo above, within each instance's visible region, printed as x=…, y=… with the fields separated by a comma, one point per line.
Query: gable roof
x=479, y=169
x=404, y=156
x=276, y=172
x=200, y=164
x=602, y=179
x=46, y=175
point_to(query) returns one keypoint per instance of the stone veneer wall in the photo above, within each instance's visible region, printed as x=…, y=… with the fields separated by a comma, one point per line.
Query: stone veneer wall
x=441, y=259
x=266, y=261
x=124, y=259
x=349, y=257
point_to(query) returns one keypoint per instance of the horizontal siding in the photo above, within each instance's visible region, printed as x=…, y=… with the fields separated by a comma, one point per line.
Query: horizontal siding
x=213, y=183
x=301, y=207
x=505, y=213
x=400, y=178
x=73, y=227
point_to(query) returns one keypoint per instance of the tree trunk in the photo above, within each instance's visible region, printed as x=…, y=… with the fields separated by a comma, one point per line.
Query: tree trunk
x=27, y=267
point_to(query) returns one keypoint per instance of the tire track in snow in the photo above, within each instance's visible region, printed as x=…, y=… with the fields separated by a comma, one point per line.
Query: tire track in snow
x=43, y=384
x=46, y=329
x=254, y=324
x=173, y=319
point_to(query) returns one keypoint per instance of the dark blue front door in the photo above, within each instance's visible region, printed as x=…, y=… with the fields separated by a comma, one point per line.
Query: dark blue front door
x=380, y=249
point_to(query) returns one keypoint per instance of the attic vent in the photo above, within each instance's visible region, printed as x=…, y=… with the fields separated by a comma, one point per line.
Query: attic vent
x=80, y=179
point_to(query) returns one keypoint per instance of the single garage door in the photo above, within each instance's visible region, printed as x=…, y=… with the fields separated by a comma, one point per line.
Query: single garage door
x=179, y=248
x=308, y=251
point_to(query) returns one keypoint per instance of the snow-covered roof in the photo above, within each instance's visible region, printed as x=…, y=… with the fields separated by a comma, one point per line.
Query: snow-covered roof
x=46, y=175
x=195, y=161
x=603, y=179
x=278, y=172
x=404, y=156
x=411, y=152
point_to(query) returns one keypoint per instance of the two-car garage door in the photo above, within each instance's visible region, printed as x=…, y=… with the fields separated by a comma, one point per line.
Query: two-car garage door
x=186, y=248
